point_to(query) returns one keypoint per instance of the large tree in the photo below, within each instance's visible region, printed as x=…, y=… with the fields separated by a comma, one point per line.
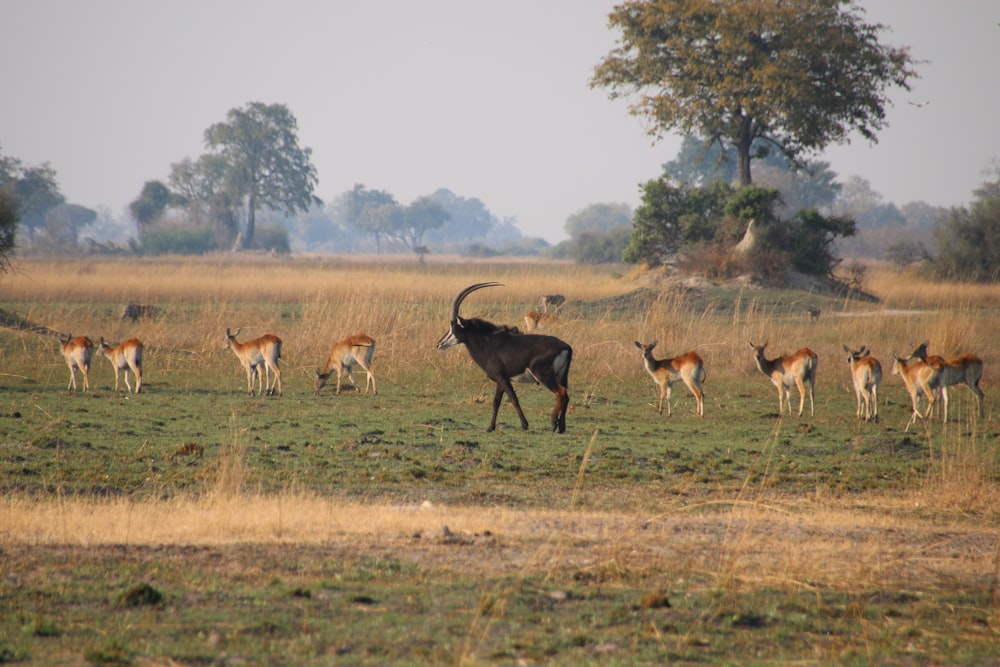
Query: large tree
x=374, y=212
x=796, y=75
x=969, y=238
x=32, y=190
x=421, y=216
x=264, y=165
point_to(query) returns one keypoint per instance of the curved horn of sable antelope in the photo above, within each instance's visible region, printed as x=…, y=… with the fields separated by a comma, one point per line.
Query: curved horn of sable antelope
x=466, y=292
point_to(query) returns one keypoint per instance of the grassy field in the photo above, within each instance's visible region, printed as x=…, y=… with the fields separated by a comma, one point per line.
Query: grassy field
x=193, y=524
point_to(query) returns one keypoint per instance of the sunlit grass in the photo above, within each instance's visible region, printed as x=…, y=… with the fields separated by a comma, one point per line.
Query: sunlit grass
x=741, y=517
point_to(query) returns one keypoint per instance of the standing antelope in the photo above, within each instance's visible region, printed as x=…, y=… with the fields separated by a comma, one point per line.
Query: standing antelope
x=918, y=377
x=964, y=369
x=346, y=354
x=77, y=352
x=797, y=369
x=123, y=357
x=264, y=351
x=866, y=373
x=666, y=372
x=504, y=354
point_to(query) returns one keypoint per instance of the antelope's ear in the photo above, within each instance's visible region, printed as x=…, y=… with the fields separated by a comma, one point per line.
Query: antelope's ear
x=847, y=349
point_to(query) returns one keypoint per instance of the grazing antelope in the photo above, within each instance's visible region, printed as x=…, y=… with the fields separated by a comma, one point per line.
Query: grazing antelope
x=797, y=369
x=123, y=357
x=918, y=377
x=77, y=352
x=964, y=369
x=866, y=373
x=688, y=368
x=814, y=313
x=135, y=311
x=504, y=354
x=264, y=351
x=534, y=320
x=346, y=354
x=554, y=300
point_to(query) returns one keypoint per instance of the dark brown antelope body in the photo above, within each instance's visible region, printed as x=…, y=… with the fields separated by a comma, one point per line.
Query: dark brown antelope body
x=504, y=354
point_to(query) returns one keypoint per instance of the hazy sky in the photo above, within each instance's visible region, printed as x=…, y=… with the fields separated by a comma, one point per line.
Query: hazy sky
x=488, y=99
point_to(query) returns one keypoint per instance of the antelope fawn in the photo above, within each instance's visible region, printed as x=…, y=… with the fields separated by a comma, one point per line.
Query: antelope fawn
x=123, y=357
x=964, y=369
x=77, y=353
x=797, y=369
x=345, y=355
x=917, y=377
x=264, y=351
x=688, y=368
x=866, y=373
x=533, y=320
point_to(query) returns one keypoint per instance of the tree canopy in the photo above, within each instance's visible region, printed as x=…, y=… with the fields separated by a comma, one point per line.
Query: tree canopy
x=793, y=75
x=261, y=161
x=33, y=191
x=969, y=238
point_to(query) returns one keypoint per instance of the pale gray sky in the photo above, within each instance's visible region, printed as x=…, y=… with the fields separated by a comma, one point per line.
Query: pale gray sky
x=487, y=99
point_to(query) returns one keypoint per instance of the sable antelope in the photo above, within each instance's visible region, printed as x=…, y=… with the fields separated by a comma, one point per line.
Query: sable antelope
x=534, y=319
x=264, y=351
x=123, y=357
x=345, y=355
x=688, y=368
x=554, y=300
x=77, y=352
x=814, y=313
x=866, y=374
x=135, y=311
x=798, y=369
x=504, y=354
x=918, y=377
x=964, y=369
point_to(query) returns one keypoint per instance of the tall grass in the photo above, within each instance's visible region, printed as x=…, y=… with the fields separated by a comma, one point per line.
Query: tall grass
x=313, y=302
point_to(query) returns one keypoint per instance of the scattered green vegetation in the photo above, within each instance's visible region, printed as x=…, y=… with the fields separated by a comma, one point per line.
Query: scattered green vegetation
x=193, y=524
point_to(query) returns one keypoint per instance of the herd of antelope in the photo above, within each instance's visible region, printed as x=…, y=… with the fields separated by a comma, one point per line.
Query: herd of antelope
x=508, y=355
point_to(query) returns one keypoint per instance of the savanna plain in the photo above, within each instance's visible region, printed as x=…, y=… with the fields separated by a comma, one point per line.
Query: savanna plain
x=192, y=524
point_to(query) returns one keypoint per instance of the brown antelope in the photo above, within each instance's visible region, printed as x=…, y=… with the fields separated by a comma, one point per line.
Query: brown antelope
x=505, y=354
x=688, y=368
x=798, y=369
x=77, y=353
x=866, y=373
x=964, y=369
x=918, y=377
x=554, y=300
x=533, y=320
x=261, y=352
x=345, y=355
x=814, y=313
x=123, y=357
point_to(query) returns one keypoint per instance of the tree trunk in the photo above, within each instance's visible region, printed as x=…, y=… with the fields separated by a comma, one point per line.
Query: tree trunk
x=743, y=144
x=251, y=222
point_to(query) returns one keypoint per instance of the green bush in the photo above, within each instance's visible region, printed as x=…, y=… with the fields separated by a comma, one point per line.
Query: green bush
x=178, y=240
